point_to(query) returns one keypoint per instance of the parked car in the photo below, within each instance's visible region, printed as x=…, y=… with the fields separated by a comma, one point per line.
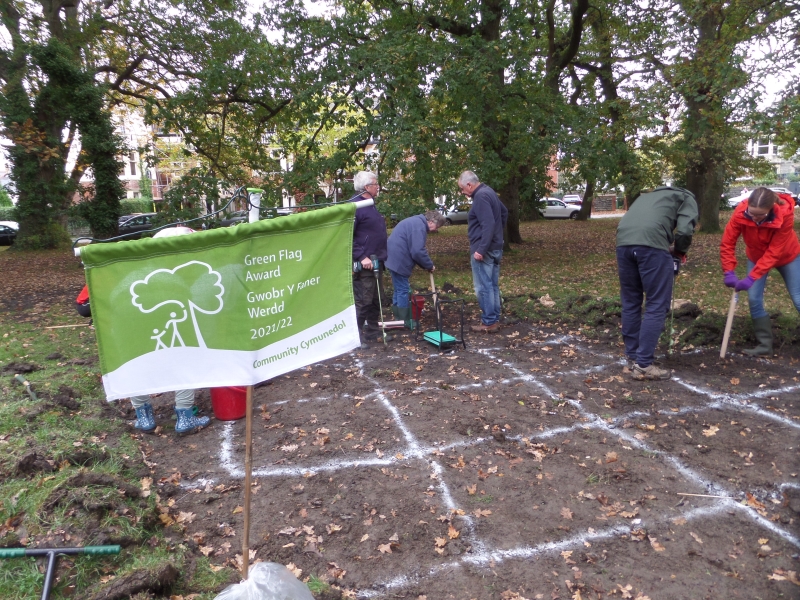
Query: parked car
x=7, y=234
x=137, y=224
x=558, y=209
x=124, y=218
x=734, y=202
x=783, y=190
x=572, y=199
x=12, y=224
x=457, y=214
x=235, y=218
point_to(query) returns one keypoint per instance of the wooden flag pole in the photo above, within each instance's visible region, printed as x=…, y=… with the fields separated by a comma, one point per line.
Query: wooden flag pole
x=248, y=471
x=726, y=336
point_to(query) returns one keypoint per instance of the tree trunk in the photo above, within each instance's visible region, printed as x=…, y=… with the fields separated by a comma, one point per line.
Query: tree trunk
x=704, y=168
x=588, y=196
x=509, y=196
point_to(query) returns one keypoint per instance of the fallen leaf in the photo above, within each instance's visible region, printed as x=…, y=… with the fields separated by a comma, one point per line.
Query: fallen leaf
x=333, y=528
x=185, y=517
x=611, y=457
x=696, y=537
x=440, y=542
x=752, y=502
x=365, y=537
x=471, y=490
x=452, y=532
x=295, y=571
x=762, y=541
x=385, y=548
x=237, y=510
x=655, y=544
x=566, y=513
x=734, y=381
x=206, y=550
x=712, y=430
x=482, y=513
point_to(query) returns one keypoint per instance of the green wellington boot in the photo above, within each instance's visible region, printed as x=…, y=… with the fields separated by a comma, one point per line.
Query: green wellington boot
x=406, y=314
x=763, y=329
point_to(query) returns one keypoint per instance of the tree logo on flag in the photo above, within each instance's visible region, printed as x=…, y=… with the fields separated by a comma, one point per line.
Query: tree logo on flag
x=191, y=288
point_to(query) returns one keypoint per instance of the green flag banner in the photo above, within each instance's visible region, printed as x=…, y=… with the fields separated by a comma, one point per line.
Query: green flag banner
x=231, y=306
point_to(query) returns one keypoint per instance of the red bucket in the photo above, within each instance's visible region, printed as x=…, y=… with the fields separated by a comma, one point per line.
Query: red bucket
x=229, y=403
x=417, y=304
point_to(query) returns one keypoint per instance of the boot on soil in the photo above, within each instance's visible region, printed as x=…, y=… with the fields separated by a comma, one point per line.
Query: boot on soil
x=145, y=419
x=650, y=373
x=188, y=422
x=406, y=314
x=763, y=329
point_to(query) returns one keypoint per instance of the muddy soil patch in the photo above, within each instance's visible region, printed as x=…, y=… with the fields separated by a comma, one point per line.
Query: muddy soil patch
x=530, y=462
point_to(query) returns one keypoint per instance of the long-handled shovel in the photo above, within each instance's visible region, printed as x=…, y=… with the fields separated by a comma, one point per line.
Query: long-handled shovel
x=435, y=299
x=376, y=269
x=726, y=336
x=52, y=555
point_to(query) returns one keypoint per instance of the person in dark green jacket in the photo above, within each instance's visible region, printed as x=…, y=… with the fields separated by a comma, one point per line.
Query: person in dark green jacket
x=656, y=231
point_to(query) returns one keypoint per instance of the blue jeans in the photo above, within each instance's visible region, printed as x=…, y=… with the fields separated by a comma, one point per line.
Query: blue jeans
x=791, y=277
x=643, y=272
x=486, y=279
x=401, y=289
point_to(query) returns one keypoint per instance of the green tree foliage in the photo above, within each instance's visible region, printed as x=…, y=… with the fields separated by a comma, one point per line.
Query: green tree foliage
x=713, y=80
x=50, y=100
x=446, y=86
x=5, y=199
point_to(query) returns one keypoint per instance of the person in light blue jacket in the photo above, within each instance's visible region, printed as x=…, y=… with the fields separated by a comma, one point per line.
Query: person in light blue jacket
x=406, y=248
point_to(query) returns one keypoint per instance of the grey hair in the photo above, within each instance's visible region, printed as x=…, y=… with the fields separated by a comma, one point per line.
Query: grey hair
x=468, y=177
x=435, y=217
x=363, y=179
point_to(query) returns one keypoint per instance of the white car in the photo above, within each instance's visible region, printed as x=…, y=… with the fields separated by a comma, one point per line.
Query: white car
x=557, y=209
x=572, y=199
x=734, y=202
x=457, y=214
x=12, y=224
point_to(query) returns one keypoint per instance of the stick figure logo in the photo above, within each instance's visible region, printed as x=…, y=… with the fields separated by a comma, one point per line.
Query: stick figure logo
x=188, y=289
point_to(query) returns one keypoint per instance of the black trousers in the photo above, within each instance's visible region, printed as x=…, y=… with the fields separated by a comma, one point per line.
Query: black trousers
x=368, y=309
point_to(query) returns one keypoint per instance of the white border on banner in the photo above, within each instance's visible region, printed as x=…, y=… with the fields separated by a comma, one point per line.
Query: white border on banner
x=193, y=368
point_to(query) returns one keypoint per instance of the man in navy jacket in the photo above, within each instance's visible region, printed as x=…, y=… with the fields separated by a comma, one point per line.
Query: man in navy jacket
x=406, y=249
x=369, y=239
x=485, y=224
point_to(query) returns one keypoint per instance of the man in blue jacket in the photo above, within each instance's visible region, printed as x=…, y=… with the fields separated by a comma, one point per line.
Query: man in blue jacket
x=406, y=249
x=369, y=239
x=485, y=224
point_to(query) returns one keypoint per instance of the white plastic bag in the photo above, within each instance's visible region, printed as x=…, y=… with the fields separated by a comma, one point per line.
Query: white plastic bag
x=267, y=581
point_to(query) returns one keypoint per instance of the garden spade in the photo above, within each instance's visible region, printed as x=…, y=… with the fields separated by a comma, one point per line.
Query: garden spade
x=376, y=269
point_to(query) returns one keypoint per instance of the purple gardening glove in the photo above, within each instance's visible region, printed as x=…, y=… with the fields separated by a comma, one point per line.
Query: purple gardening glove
x=730, y=279
x=745, y=284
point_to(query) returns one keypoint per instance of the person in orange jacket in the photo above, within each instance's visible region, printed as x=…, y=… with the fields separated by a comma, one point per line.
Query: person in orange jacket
x=765, y=221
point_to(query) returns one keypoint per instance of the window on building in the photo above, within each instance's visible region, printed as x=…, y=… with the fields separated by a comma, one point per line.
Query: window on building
x=132, y=162
x=763, y=147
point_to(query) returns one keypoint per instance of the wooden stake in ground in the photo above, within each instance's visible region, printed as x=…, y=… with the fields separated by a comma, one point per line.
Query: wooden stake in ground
x=248, y=471
x=728, y=325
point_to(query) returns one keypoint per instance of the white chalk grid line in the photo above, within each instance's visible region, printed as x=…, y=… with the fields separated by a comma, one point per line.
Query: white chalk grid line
x=415, y=452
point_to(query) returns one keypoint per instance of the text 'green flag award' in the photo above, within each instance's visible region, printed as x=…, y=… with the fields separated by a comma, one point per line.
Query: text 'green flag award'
x=232, y=306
